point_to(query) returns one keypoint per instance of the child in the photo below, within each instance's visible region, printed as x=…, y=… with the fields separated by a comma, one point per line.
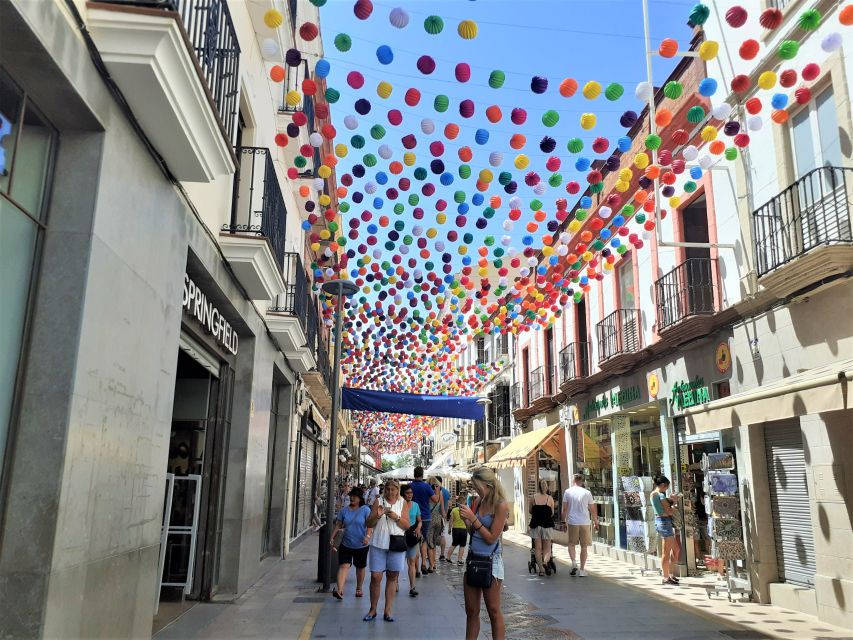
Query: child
x=459, y=534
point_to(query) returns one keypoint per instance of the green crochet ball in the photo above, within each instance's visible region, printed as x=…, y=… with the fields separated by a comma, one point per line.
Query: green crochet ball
x=673, y=89
x=369, y=160
x=699, y=14
x=300, y=162
x=488, y=213
x=581, y=214
x=614, y=91
x=433, y=25
x=809, y=20
x=357, y=142
x=414, y=199
x=789, y=49
x=535, y=204
x=441, y=103
x=343, y=207
x=555, y=180
x=575, y=145
x=332, y=95
x=318, y=3
x=464, y=171
x=597, y=245
x=653, y=141
x=695, y=114
x=504, y=178
x=420, y=173
x=640, y=217
x=497, y=79
x=689, y=186
x=343, y=42
x=731, y=153
x=458, y=197
x=399, y=208
x=627, y=210
x=550, y=118
x=399, y=226
x=377, y=132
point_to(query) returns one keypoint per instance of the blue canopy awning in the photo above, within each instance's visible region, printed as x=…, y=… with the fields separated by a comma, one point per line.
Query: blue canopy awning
x=412, y=403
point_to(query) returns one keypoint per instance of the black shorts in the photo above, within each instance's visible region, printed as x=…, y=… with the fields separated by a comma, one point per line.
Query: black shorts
x=358, y=557
x=460, y=537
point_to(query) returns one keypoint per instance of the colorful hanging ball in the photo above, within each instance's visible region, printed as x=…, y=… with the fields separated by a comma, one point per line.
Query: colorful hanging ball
x=363, y=9
x=788, y=78
x=809, y=20
x=441, y=103
x=433, y=25
x=539, y=84
x=832, y=42
x=591, y=90
x=695, y=114
x=466, y=108
x=293, y=98
x=517, y=141
x=628, y=119
x=810, y=72
x=398, y=18
x=788, y=49
x=309, y=87
x=273, y=18
x=332, y=95
x=277, y=73
x=322, y=68
x=568, y=87
x=644, y=91
x=481, y=136
x=753, y=106
x=518, y=116
x=426, y=65
x=736, y=16
x=427, y=126
x=451, y=131
x=395, y=117
x=497, y=79
x=779, y=101
x=614, y=91
x=653, y=141
x=600, y=144
x=663, y=117
x=551, y=118
x=412, y=97
x=624, y=144
x=767, y=80
x=668, y=48
x=707, y=87
x=384, y=89
x=740, y=83
x=547, y=144
x=362, y=106
x=574, y=145
x=494, y=113
x=308, y=31
x=845, y=16
x=673, y=89
x=771, y=18
x=343, y=42
x=699, y=14
x=708, y=50
x=749, y=49
x=384, y=54
x=269, y=48
x=293, y=57
x=803, y=95
x=463, y=72
x=467, y=29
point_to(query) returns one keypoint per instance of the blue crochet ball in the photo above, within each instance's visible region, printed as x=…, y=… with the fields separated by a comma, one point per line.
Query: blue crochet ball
x=322, y=68
x=708, y=87
x=384, y=54
x=481, y=136
x=624, y=144
x=585, y=202
x=582, y=164
x=779, y=101
x=695, y=172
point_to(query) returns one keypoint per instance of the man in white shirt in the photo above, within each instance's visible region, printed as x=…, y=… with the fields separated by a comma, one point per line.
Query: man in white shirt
x=372, y=493
x=578, y=510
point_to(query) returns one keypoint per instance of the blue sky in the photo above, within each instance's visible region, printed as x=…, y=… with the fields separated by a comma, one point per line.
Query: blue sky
x=600, y=41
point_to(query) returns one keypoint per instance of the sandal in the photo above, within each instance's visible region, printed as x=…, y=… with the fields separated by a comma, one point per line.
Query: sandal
x=337, y=595
x=541, y=574
x=388, y=618
x=359, y=593
x=413, y=593
x=369, y=618
x=674, y=580
x=460, y=563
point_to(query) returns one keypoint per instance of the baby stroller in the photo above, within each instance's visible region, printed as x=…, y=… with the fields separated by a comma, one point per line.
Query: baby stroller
x=531, y=564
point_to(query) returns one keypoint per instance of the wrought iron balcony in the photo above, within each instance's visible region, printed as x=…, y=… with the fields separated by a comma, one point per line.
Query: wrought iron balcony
x=536, y=384
x=813, y=212
x=574, y=361
x=517, y=396
x=296, y=299
x=257, y=204
x=618, y=334
x=688, y=290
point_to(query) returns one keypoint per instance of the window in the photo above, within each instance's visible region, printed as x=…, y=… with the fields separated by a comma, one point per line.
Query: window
x=627, y=299
x=26, y=151
x=814, y=134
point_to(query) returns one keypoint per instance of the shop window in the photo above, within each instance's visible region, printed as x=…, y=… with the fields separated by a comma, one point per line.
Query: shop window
x=627, y=297
x=26, y=156
x=595, y=460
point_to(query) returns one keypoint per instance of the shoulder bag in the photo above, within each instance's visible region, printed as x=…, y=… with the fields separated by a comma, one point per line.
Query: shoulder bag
x=396, y=543
x=478, y=567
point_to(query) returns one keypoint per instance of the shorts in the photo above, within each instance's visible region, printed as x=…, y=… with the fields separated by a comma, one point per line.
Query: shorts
x=460, y=537
x=541, y=533
x=348, y=555
x=382, y=560
x=663, y=525
x=412, y=552
x=580, y=534
x=436, y=533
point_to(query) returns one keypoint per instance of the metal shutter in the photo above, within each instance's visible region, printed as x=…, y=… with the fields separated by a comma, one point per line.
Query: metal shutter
x=789, y=502
x=305, y=499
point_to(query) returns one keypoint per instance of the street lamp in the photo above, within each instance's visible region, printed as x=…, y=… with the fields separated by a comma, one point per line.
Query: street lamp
x=485, y=402
x=339, y=288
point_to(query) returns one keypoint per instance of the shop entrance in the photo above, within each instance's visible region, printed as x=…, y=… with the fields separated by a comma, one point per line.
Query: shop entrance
x=692, y=479
x=191, y=529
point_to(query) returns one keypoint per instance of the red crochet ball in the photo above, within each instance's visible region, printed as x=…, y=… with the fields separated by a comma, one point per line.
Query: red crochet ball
x=810, y=71
x=802, y=95
x=309, y=87
x=678, y=166
x=753, y=106
x=740, y=83
x=463, y=72
x=736, y=16
x=770, y=18
x=741, y=140
x=788, y=78
x=436, y=148
x=413, y=97
x=300, y=119
x=395, y=117
x=600, y=145
x=308, y=31
x=306, y=150
x=518, y=116
x=594, y=176
x=355, y=80
x=328, y=130
x=749, y=49
x=293, y=173
x=281, y=139
x=665, y=157
x=363, y=9
x=680, y=136
x=321, y=110
x=572, y=187
x=553, y=163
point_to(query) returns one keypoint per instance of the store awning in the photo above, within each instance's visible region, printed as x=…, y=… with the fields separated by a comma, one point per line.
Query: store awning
x=516, y=452
x=814, y=391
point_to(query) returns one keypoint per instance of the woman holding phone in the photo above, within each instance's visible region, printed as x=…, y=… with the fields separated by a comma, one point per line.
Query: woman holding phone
x=389, y=519
x=664, y=527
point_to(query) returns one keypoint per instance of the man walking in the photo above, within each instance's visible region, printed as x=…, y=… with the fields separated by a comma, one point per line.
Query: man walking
x=578, y=510
x=445, y=508
x=373, y=493
x=422, y=492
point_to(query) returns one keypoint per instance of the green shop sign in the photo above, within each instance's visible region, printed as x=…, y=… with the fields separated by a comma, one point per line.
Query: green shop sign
x=689, y=394
x=611, y=400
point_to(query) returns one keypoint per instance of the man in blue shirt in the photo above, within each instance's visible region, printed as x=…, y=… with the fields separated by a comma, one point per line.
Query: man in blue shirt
x=445, y=508
x=421, y=493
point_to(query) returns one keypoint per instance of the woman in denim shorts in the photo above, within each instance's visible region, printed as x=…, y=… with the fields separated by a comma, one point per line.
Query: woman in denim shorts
x=663, y=525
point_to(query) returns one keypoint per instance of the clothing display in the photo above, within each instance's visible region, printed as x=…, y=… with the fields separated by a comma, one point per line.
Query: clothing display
x=731, y=550
x=637, y=544
x=633, y=499
x=724, y=461
x=635, y=528
x=725, y=506
x=631, y=484
x=727, y=529
x=722, y=482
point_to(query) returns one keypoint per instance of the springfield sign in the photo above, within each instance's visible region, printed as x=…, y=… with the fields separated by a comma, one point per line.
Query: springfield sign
x=689, y=394
x=615, y=399
x=197, y=305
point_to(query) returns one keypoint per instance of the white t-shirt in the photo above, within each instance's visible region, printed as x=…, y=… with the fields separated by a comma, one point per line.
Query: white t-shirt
x=578, y=500
x=386, y=527
x=372, y=494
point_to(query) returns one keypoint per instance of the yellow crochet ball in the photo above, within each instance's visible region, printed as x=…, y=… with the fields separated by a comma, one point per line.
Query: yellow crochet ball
x=341, y=150
x=591, y=90
x=622, y=186
x=574, y=225
x=463, y=249
x=409, y=158
x=273, y=18
x=431, y=232
x=521, y=161
x=767, y=80
x=324, y=234
x=625, y=174
x=641, y=161
x=608, y=266
x=588, y=121
x=482, y=271
x=315, y=246
x=486, y=176
x=709, y=49
x=441, y=218
x=587, y=256
x=674, y=201
x=324, y=200
x=709, y=133
x=384, y=89
x=467, y=29
x=547, y=251
x=324, y=171
x=293, y=98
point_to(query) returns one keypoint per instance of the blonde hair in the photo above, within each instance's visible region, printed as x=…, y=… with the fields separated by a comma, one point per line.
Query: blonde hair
x=544, y=485
x=390, y=483
x=487, y=476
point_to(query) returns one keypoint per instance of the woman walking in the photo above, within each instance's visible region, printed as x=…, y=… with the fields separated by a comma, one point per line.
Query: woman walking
x=486, y=519
x=541, y=527
x=459, y=534
x=413, y=537
x=353, y=551
x=389, y=519
x=436, y=525
x=664, y=527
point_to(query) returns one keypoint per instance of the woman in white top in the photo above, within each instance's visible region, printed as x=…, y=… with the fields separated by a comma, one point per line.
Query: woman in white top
x=389, y=520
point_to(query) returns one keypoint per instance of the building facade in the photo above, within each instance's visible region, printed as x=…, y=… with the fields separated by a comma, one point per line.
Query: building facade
x=164, y=394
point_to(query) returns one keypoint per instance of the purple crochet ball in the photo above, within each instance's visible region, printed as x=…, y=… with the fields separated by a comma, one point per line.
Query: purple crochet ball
x=362, y=106
x=437, y=166
x=531, y=179
x=645, y=182
x=612, y=163
x=391, y=193
x=357, y=197
x=628, y=119
x=553, y=225
x=293, y=58
x=293, y=130
x=409, y=141
x=539, y=84
x=466, y=108
x=428, y=189
x=731, y=128
x=358, y=171
x=668, y=191
x=547, y=144
x=482, y=223
x=511, y=187
x=309, y=206
x=418, y=213
x=426, y=65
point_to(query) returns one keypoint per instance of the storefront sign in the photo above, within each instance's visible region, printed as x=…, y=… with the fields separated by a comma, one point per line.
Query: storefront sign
x=611, y=400
x=723, y=357
x=654, y=385
x=197, y=305
x=689, y=394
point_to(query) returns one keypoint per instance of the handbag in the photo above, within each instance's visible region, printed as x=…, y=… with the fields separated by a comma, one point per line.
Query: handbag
x=396, y=543
x=412, y=539
x=478, y=567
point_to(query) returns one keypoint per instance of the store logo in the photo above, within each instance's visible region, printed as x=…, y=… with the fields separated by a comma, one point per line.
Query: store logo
x=689, y=394
x=723, y=357
x=654, y=385
x=613, y=399
x=197, y=305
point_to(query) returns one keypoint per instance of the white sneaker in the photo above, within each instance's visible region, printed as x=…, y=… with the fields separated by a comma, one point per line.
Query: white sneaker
x=582, y=573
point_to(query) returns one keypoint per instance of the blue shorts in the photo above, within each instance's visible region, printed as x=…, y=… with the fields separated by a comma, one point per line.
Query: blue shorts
x=663, y=525
x=412, y=552
x=381, y=560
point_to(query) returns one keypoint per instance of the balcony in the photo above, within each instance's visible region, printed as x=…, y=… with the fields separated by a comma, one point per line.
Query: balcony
x=803, y=235
x=521, y=401
x=619, y=340
x=253, y=242
x=319, y=378
x=177, y=64
x=542, y=386
x=291, y=320
x=687, y=299
x=574, y=367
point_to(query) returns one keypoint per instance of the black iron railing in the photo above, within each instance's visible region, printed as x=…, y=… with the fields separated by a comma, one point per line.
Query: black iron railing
x=312, y=324
x=499, y=412
x=323, y=361
x=813, y=211
x=214, y=42
x=517, y=396
x=574, y=361
x=618, y=333
x=257, y=205
x=536, y=384
x=688, y=290
x=293, y=82
x=296, y=298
